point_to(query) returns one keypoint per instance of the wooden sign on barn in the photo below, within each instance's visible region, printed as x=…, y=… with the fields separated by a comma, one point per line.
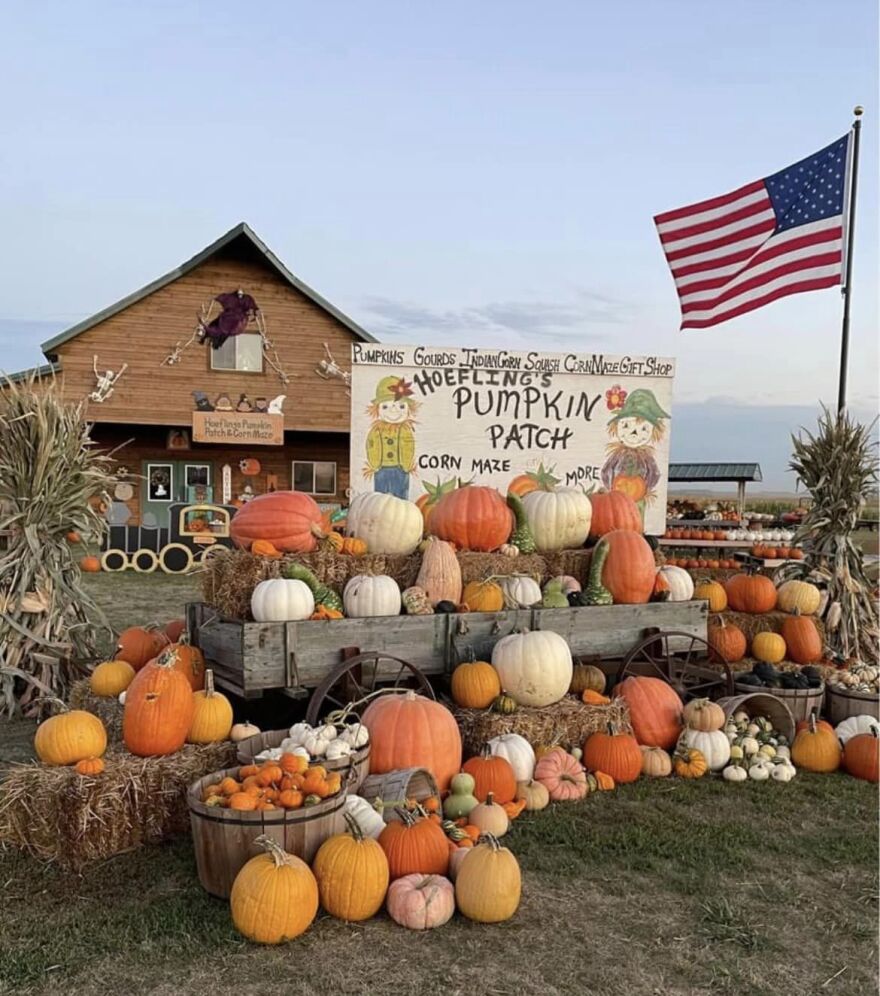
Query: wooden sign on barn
x=424, y=417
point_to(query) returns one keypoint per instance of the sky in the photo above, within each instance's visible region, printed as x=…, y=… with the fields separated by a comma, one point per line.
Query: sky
x=475, y=174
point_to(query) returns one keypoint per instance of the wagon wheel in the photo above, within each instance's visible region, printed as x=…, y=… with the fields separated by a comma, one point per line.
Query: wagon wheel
x=356, y=677
x=687, y=665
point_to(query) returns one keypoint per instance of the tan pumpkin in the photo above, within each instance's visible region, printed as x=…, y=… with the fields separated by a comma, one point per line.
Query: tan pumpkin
x=534, y=794
x=800, y=596
x=587, y=677
x=701, y=714
x=656, y=762
x=440, y=574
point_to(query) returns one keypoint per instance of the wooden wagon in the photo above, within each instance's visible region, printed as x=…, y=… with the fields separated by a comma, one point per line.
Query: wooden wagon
x=250, y=658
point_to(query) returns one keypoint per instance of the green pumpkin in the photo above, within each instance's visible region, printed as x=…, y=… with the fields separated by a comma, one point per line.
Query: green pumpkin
x=461, y=799
x=321, y=593
x=504, y=704
x=521, y=537
x=595, y=593
x=554, y=598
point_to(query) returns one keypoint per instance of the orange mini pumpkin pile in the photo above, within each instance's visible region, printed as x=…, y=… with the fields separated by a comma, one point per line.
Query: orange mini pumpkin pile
x=288, y=783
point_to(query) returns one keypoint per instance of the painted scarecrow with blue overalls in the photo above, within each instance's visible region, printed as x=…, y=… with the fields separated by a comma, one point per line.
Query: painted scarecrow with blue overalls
x=635, y=428
x=391, y=441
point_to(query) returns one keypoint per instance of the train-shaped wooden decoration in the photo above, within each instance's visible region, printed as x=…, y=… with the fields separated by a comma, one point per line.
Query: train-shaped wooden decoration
x=195, y=532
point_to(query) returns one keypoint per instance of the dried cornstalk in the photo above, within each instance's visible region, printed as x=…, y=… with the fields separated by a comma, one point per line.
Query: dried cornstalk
x=50, y=472
x=838, y=466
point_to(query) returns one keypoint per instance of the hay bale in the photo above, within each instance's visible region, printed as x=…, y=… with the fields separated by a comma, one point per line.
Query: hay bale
x=230, y=577
x=57, y=815
x=108, y=710
x=567, y=723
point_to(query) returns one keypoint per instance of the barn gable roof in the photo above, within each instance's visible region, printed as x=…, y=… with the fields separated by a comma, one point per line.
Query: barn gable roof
x=240, y=231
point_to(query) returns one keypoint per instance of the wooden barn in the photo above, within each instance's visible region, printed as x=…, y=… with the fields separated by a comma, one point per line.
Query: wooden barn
x=214, y=383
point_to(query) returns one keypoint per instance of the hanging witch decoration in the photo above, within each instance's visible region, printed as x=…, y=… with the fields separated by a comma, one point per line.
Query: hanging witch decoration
x=635, y=428
x=391, y=442
x=237, y=311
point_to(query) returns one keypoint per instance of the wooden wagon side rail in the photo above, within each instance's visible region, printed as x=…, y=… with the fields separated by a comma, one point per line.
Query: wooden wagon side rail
x=249, y=658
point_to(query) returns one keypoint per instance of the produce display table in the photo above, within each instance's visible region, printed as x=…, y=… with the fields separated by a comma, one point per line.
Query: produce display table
x=718, y=544
x=249, y=658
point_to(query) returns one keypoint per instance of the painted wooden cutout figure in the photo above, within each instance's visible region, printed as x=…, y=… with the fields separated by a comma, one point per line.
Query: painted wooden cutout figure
x=105, y=382
x=276, y=405
x=391, y=442
x=636, y=426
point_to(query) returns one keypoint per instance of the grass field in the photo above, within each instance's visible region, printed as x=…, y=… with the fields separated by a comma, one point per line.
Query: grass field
x=657, y=889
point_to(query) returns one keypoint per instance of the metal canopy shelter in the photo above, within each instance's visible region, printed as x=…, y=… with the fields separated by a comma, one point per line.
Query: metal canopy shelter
x=705, y=473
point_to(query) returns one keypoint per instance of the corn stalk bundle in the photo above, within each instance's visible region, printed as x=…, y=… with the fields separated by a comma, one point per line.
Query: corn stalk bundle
x=49, y=474
x=838, y=466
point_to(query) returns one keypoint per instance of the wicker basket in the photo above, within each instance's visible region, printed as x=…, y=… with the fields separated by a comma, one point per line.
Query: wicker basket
x=359, y=759
x=801, y=702
x=840, y=705
x=397, y=786
x=762, y=704
x=224, y=838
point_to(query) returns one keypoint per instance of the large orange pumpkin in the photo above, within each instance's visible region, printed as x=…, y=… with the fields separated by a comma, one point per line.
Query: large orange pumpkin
x=802, y=641
x=753, y=593
x=473, y=518
x=410, y=731
x=617, y=754
x=290, y=520
x=137, y=645
x=159, y=708
x=494, y=774
x=654, y=710
x=629, y=568
x=861, y=756
x=613, y=510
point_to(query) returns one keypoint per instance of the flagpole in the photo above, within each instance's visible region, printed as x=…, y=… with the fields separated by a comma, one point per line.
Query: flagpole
x=847, y=281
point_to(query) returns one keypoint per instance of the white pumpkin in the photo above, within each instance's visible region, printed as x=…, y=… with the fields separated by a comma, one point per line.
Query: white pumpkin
x=517, y=751
x=282, y=600
x=759, y=772
x=750, y=746
x=535, y=668
x=520, y=591
x=337, y=749
x=369, y=595
x=681, y=584
x=848, y=728
x=733, y=773
x=366, y=816
x=386, y=524
x=712, y=744
x=560, y=520
x=357, y=735
x=782, y=772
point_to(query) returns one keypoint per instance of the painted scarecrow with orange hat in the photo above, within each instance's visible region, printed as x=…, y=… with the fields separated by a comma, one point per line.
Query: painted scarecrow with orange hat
x=391, y=441
x=635, y=428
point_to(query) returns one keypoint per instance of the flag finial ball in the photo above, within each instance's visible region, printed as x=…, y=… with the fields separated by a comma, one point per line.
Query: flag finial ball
x=858, y=110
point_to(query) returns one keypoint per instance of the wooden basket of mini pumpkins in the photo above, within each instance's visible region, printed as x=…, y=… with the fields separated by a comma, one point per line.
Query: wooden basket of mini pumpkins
x=358, y=760
x=223, y=839
x=762, y=704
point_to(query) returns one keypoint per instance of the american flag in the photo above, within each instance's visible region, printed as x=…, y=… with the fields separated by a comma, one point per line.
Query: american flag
x=777, y=236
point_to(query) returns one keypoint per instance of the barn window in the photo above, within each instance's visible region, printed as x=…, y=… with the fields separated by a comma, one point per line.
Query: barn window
x=316, y=477
x=239, y=352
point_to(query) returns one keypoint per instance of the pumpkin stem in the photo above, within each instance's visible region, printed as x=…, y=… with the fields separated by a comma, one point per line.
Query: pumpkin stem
x=490, y=798
x=280, y=856
x=406, y=817
x=354, y=828
x=209, y=683
x=490, y=839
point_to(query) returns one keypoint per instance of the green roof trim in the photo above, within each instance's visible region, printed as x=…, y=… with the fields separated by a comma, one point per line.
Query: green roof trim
x=715, y=472
x=47, y=370
x=242, y=230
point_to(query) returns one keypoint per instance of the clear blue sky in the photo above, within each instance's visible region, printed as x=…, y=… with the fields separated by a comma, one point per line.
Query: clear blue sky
x=454, y=172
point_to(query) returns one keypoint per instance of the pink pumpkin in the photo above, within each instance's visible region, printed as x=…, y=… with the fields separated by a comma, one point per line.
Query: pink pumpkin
x=421, y=902
x=563, y=776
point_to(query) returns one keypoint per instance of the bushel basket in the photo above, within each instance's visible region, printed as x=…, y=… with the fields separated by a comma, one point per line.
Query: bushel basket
x=358, y=760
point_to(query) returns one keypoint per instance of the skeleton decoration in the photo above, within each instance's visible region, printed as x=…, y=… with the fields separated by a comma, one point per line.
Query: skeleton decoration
x=105, y=382
x=239, y=313
x=329, y=369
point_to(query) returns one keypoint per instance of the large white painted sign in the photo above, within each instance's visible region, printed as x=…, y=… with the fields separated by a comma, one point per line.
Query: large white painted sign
x=423, y=418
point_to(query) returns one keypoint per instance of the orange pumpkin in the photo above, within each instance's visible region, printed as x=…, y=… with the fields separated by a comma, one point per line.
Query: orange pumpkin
x=615, y=510
x=190, y=662
x=494, y=774
x=802, y=641
x=629, y=568
x=615, y=753
x=354, y=547
x=174, y=630
x=861, y=757
x=727, y=640
x=654, y=710
x=263, y=548
x=589, y=697
x=410, y=731
x=73, y=537
x=483, y=596
x=563, y=775
x=138, y=645
x=90, y=565
x=414, y=845
x=473, y=518
x=159, y=708
x=290, y=520
x=752, y=593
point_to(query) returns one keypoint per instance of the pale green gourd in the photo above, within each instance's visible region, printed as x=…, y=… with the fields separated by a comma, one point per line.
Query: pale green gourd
x=461, y=799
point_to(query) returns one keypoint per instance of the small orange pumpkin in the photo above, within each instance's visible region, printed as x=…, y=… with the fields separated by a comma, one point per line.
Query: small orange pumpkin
x=90, y=766
x=589, y=697
x=264, y=548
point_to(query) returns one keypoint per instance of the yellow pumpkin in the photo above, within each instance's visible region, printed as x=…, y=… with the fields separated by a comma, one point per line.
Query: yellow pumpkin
x=274, y=897
x=475, y=685
x=798, y=596
x=488, y=884
x=712, y=592
x=70, y=737
x=352, y=874
x=354, y=547
x=212, y=715
x=483, y=596
x=768, y=647
x=111, y=678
